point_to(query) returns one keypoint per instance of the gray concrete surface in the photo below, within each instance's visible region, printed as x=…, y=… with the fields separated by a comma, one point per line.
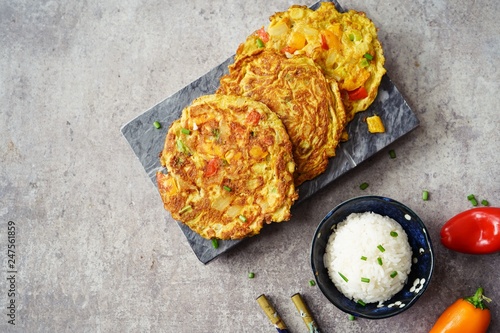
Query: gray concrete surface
x=96, y=252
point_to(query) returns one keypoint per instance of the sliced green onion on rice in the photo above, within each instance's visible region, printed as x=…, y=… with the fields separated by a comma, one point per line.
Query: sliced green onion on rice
x=343, y=277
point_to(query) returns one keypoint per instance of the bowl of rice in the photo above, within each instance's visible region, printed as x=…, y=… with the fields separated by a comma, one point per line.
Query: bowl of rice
x=372, y=257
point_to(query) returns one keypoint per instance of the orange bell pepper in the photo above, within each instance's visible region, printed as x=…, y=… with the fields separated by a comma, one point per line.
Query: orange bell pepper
x=466, y=315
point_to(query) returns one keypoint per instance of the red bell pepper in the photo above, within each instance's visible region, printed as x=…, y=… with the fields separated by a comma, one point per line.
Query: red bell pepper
x=253, y=117
x=263, y=35
x=212, y=167
x=357, y=94
x=474, y=231
x=324, y=43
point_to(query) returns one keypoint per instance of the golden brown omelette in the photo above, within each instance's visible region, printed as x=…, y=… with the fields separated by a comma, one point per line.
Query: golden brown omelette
x=297, y=91
x=345, y=45
x=230, y=167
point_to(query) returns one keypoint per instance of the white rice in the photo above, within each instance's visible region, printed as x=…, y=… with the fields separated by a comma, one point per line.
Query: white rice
x=358, y=237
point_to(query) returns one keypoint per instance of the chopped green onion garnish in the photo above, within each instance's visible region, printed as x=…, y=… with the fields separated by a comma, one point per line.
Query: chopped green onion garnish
x=181, y=146
x=472, y=199
x=363, y=186
x=185, y=209
x=425, y=195
x=260, y=43
x=379, y=260
x=227, y=188
x=365, y=280
x=185, y=131
x=242, y=218
x=360, y=302
x=368, y=56
x=364, y=63
x=251, y=275
x=485, y=203
x=216, y=133
x=393, y=274
x=312, y=283
x=157, y=124
x=392, y=153
x=215, y=243
x=394, y=234
x=381, y=248
x=351, y=317
x=363, y=258
x=343, y=277
x=351, y=37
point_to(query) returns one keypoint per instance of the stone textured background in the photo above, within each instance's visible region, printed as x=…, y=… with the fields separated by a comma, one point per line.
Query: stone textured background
x=96, y=252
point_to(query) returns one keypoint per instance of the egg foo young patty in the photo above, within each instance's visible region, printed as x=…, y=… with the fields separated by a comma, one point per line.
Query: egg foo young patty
x=230, y=168
x=345, y=45
x=297, y=91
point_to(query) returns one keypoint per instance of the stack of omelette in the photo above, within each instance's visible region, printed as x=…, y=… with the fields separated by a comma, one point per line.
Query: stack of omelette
x=236, y=158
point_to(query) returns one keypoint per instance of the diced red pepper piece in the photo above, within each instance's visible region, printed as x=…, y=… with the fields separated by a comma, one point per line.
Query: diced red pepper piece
x=324, y=44
x=288, y=49
x=253, y=118
x=358, y=94
x=212, y=167
x=263, y=35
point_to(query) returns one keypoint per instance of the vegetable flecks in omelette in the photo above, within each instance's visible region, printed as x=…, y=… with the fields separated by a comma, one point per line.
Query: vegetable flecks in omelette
x=238, y=173
x=345, y=46
x=296, y=90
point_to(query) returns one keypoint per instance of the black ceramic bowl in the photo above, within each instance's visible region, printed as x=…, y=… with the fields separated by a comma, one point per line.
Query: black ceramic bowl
x=418, y=237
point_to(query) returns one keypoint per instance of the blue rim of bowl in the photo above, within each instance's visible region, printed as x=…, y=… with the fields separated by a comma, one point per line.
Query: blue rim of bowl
x=427, y=239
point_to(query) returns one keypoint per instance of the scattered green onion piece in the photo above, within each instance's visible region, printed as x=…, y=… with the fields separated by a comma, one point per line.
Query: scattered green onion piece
x=393, y=274
x=157, y=124
x=394, y=234
x=260, y=43
x=242, y=218
x=363, y=186
x=365, y=280
x=472, y=199
x=351, y=317
x=360, y=302
x=185, y=131
x=379, y=260
x=351, y=37
x=215, y=243
x=312, y=283
x=363, y=258
x=381, y=248
x=251, y=275
x=216, y=133
x=368, y=56
x=392, y=153
x=364, y=63
x=227, y=188
x=425, y=195
x=185, y=209
x=343, y=277
x=485, y=203
x=181, y=146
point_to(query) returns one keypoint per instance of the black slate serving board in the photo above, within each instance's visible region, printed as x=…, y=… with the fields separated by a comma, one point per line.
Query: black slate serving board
x=147, y=142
